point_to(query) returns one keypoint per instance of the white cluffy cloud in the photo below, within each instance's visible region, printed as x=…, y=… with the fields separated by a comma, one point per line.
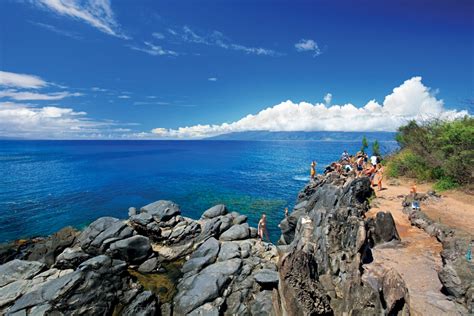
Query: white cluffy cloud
x=15, y=80
x=97, y=13
x=411, y=100
x=25, y=120
x=29, y=120
x=212, y=79
x=308, y=45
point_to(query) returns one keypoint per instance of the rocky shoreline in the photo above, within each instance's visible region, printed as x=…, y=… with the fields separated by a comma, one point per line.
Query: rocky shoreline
x=158, y=262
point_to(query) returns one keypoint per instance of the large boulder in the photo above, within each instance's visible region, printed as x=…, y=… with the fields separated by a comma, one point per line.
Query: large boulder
x=149, y=265
x=133, y=250
x=144, y=304
x=19, y=270
x=142, y=219
x=203, y=256
x=98, y=236
x=236, y=232
x=288, y=226
x=10, y=292
x=71, y=258
x=215, y=211
x=162, y=210
x=262, y=305
x=205, y=286
x=229, y=250
x=92, y=289
x=47, y=249
x=382, y=228
x=267, y=277
x=394, y=292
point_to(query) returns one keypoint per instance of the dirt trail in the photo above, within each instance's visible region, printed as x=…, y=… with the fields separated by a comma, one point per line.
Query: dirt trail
x=418, y=259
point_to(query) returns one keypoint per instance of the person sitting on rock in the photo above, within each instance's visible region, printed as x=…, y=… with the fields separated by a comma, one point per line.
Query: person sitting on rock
x=347, y=168
x=329, y=168
x=345, y=156
x=262, y=227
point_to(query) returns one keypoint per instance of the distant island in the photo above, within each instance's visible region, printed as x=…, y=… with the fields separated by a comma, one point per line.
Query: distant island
x=320, y=136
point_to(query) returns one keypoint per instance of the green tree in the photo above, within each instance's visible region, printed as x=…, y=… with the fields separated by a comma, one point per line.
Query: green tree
x=376, y=148
x=365, y=144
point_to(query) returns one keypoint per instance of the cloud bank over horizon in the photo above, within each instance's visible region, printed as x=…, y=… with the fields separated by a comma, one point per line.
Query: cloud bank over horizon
x=412, y=100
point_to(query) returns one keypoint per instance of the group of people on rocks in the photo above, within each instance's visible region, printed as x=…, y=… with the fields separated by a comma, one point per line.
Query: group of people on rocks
x=359, y=165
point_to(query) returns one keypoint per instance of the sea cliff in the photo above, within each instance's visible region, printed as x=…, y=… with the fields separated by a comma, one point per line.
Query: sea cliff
x=158, y=262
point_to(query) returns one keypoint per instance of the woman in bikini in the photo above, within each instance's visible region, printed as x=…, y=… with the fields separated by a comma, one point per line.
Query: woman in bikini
x=379, y=174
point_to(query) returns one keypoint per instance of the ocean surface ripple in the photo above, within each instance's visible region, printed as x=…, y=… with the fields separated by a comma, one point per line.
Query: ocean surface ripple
x=46, y=185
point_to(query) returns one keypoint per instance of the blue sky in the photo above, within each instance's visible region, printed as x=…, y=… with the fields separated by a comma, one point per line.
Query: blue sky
x=145, y=69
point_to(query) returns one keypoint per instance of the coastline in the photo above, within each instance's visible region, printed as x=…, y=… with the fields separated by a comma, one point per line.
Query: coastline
x=164, y=262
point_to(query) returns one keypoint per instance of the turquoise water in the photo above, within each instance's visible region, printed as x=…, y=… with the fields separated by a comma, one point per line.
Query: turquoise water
x=46, y=185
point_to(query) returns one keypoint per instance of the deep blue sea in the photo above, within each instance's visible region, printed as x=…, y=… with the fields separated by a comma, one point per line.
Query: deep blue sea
x=46, y=185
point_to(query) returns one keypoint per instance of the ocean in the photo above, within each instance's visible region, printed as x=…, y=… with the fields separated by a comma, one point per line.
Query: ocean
x=46, y=185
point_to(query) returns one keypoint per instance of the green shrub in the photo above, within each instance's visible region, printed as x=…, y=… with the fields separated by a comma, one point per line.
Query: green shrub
x=439, y=151
x=445, y=184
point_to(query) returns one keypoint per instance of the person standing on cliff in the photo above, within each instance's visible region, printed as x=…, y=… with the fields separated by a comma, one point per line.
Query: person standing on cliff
x=262, y=227
x=313, y=170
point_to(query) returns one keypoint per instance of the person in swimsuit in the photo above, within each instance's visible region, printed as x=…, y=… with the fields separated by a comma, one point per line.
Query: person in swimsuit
x=360, y=165
x=313, y=169
x=262, y=227
x=380, y=171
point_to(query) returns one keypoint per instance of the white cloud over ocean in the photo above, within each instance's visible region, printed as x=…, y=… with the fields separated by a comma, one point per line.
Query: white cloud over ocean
x=411, y=100
x=29, y=121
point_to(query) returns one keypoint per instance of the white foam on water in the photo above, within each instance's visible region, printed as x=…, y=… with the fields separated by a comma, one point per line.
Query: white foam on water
x=301, y=178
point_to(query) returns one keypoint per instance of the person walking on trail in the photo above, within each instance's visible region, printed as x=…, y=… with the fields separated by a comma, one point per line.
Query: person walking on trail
x=380, y=171
x=262, y=227
x=313, y=170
